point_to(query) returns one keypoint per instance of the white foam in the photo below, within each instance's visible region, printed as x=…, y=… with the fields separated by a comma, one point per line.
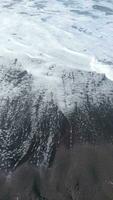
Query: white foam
x=99, y=67
x=49, y=32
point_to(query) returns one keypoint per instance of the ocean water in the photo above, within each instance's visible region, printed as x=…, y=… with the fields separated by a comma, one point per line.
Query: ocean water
x=71, y=33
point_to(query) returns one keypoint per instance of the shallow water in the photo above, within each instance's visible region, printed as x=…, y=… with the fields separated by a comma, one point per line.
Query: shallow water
x=75, y=33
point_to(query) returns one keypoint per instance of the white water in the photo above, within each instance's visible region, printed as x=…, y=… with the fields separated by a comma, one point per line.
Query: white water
x=71, y=33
